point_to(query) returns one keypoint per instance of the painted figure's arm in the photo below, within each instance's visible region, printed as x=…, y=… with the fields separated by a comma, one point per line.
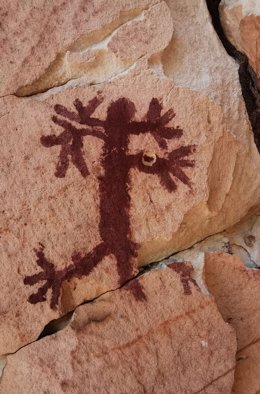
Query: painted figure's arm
x=68, y=130
x=83, y=113
x=165, y=168
x=71, y=140
x=156, y=124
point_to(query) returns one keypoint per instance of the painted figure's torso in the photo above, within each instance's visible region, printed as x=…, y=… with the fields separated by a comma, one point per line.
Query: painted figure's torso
x=114, y=196
x=116, y=161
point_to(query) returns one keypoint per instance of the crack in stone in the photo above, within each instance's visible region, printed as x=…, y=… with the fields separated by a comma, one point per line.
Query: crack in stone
x=78, y=82
x=247, y=76
x=82, y=43
x=54, y=75
x=254, y=265
x=62, y=322
x=215, y=380
x=252, y=343
x=3, y=362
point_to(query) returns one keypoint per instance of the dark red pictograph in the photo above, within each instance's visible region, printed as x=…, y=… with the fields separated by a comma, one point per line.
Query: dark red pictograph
x=114, y=226
x=185, y=271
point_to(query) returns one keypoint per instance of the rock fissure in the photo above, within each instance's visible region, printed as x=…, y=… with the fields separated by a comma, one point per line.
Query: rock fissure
x=76, y=82
x=63, y=321
x=247, y=76
x=215, y=380
x=73, y=250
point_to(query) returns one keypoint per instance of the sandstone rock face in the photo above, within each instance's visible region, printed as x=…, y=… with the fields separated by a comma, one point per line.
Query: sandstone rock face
x=242, y=240
x=170, y=339
x=236, y=290
x=124, y=138
x=75, y=39
x=241, y=22
x=99, y=180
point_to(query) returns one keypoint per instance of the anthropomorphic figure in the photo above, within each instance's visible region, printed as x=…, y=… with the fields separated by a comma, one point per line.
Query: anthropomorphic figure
x=114, y=184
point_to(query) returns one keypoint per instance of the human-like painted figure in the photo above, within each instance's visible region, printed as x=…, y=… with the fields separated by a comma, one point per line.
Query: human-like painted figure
x=114, y=184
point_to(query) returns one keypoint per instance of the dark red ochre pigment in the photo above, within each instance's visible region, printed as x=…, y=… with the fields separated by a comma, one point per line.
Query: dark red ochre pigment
x=114, y=226
x=185, y=271
x=136, y=289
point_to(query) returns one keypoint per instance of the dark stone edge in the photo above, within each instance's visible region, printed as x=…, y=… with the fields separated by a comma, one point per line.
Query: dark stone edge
x=247, y=76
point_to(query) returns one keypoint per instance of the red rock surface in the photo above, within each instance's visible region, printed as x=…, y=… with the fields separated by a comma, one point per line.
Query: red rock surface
x=61, y=198
x=62, y=29
x=124, y=138
x=164, y=341
x=241, y=22
x=236, y=290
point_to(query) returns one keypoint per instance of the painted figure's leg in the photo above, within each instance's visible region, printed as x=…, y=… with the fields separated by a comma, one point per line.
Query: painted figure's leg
x=125, y=262
x=81, y=266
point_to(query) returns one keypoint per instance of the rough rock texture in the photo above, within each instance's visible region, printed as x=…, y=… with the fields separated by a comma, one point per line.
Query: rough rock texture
x=83, y=207
x=241, y=22
x=246, y=73
x=75, y=38
x=243, y=240
x=124, y=138
x=172, y=339
x=236, y=290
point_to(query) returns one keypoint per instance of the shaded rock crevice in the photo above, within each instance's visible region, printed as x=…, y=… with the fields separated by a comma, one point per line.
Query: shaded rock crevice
x=91, y=337
x=247, y=76
x=3, y=361
x=59, y=324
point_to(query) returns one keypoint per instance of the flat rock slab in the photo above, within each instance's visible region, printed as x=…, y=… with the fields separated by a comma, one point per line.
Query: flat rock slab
x=45, y=45
x=241, y=22
x=236, y=290
x=169, y=338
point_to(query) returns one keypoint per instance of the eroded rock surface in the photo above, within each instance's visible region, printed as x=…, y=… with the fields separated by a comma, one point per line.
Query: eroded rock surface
x=166, y=340
x=236, y=290
x=138, y=147
x=76, y=39
x=60, y=196
x=221, y=266
x=241, y=22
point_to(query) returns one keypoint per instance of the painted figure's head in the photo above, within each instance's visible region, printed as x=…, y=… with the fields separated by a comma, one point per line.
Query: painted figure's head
x=121, y=111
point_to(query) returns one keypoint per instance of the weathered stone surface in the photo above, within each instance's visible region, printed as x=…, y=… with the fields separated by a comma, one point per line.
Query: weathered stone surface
x=236, y=290
x=75, y=39
x=243, y=240
x=67, y=234
x=169, y=339
x=241, y=22
x=195, y=58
